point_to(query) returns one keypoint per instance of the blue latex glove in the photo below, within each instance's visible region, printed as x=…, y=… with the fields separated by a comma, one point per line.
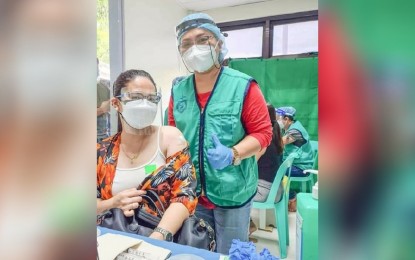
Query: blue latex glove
x=242, y=250
x=247, y=251
x=220, y=156
x=266, y=255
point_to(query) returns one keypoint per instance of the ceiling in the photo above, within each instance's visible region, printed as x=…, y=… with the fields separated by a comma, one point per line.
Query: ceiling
x=201, y=5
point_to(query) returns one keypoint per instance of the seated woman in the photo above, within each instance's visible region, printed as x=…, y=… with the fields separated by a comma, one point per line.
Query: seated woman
x=269, y=161
x=143, y=156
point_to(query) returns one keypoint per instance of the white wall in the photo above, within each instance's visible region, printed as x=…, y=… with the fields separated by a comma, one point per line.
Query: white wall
x=262, y=9
x=150, y=40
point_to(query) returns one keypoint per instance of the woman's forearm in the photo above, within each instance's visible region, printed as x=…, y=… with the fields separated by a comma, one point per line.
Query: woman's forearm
x=103, y=205
x=174, y=216
x=248, y=146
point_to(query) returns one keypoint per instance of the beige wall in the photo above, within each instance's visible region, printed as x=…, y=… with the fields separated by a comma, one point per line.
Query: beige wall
x=262, y=9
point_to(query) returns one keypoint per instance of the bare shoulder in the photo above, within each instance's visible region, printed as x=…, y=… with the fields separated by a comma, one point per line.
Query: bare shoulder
x=172, y=140
x=170, y=132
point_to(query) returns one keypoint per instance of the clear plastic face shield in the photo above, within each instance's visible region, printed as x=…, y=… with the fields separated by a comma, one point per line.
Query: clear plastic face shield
x=187, y=25
x=202, y=45
x=201, y=42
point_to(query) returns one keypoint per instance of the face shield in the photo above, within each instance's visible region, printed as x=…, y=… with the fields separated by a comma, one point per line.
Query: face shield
x=286, y=111
x=191, y=24
x=202, y=21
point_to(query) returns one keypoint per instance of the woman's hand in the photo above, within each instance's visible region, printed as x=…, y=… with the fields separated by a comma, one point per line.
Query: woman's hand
x=128, y=200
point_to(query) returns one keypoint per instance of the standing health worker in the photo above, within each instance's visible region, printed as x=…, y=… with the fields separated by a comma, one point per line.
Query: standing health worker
x=223, y=115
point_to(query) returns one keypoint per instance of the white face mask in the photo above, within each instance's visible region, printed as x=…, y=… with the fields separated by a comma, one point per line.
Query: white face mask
x=281, y=123
x=140, y=113
x=200, y=58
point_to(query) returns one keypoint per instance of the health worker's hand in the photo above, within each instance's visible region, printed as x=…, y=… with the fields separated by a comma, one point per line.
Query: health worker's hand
x=220, y=156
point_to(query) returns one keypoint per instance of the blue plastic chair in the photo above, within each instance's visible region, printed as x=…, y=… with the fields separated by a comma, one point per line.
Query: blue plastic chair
x=281, y=207
x=308, y=180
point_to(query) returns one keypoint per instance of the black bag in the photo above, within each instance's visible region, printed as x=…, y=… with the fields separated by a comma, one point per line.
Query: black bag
x=141, y=223
x=194, y=232
x=115, y=219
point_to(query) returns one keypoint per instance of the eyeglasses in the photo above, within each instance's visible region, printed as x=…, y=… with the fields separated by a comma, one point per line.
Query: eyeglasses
x=201, y=40
x=133, y=96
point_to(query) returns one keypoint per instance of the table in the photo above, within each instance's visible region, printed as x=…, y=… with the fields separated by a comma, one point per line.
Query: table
x=175, y=249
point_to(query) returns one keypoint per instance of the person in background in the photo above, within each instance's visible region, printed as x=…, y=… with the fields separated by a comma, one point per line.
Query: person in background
x=103, y=106
x=269, y=161
x=223, y=115
x=295, y=139
x=143, y=156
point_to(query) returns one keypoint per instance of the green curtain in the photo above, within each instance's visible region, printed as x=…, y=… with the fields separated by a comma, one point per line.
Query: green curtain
x=287, y=82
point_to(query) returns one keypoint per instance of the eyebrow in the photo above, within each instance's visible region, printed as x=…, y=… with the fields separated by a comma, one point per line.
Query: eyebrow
x=198, y=35
x=140, y=91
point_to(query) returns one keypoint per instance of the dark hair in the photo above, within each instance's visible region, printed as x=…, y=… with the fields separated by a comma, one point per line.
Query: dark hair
x=276, y=130
x=289, y=117
x=128, y=76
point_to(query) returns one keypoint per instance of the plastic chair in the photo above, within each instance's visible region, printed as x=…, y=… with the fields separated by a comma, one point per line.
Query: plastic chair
x=281, y=207
x=308, y=180
x=314, y=146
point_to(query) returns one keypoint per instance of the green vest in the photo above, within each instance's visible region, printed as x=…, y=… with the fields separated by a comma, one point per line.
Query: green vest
x=306, y=159
x=232, y=186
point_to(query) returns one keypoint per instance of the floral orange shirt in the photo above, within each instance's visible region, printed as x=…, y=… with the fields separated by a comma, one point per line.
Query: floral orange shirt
x=173, y=182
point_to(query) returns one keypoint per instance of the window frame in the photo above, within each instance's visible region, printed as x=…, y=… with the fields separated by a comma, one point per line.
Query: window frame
x=117, y=52
x=268, y=24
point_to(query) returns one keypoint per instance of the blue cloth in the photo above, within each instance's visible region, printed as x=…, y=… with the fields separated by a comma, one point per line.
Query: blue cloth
x=247, y=251
x=206, y=26
x=295, y=172
x=220, y=156
x=286, y=111
x=228, y=224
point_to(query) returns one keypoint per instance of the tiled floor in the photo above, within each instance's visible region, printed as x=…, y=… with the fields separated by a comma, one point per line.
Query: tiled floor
x=269, y=240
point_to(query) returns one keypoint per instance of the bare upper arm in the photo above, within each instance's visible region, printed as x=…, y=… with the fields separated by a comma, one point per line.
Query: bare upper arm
x=172, y=140
x=287, y=139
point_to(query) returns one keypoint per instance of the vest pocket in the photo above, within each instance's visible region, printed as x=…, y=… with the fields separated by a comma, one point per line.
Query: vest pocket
x=240, y=182
x=232, y=183
x=224, y=117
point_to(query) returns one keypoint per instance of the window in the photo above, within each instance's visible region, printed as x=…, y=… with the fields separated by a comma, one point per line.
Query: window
x=295, y=38
x=290, y=34
x=251, y=39
x=103, y=50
